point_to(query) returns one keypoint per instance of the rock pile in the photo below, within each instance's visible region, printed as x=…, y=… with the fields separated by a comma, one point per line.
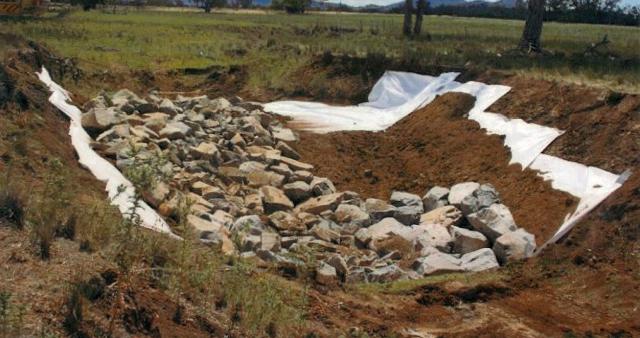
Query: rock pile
x=252, y=197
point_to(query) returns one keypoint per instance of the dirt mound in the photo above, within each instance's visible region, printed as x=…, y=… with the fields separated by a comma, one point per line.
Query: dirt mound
x=436, y=145
x=602, y=127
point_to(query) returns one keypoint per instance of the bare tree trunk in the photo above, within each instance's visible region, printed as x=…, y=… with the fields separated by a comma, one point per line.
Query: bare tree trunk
x=419, y=11
x=533, y=27
x=408, y=11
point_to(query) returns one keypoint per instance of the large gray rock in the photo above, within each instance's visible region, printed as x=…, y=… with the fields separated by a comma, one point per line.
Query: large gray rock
x=346, y=213
x=378, y=209
x=493, y=221
x=433, y=235
x=387, y=273
x=206, y=151
x=435, y=198
x=437, y=263
x=408, y=207
x=100, y=119
x=317, y=205
x=447, y=216
x=340, y=264
x=283, y=134
x=483, y=197
x=461, y=190
x=465, y=240
x=273, y=199
x=284, y=221
x=298, y=191
x=403, y=199
x=260, y=178
x=250, y=224
x=168, y=107
x=514, y=245
x=479, y=260
x=175, y=130
x=408, y=215
x=326, y=231
x=322, y=186
x=270, y=241
x=326, y=274
x=287, y=151
x=250, y=166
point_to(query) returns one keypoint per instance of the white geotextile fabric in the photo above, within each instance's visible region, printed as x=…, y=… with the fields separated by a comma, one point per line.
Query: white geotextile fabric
x=99, y=167
x=397, y=94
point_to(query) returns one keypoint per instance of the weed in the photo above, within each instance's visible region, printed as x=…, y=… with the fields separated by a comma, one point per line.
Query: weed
x=12, y=206
x=74, y=315
x=50, y=210
x=11, y=316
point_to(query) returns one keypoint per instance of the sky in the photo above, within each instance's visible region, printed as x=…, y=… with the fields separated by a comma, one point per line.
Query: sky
x=387, y=2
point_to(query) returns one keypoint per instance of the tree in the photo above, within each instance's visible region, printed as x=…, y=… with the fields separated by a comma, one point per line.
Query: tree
x=291, y=6
x=530, y=40
x=419, y=11
x=408, y=11
x=207, y=5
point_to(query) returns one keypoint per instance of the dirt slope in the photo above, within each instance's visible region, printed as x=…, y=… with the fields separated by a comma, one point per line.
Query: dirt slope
x=436, y=145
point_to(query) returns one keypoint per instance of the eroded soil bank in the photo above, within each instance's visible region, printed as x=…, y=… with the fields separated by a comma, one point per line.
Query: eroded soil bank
x=436, y=145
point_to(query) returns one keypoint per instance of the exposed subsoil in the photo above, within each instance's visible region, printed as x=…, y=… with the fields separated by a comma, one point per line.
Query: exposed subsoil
x=602, y=127
x=436, y=145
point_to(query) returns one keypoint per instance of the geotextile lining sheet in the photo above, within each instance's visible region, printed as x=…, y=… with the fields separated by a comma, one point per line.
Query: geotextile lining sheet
x=121, y=192
x=398, y=94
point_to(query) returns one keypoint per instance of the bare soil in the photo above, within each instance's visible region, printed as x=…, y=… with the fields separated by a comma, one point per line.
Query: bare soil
x=433, y=146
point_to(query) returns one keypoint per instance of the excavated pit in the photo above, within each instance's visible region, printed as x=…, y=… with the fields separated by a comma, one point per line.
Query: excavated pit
x=436, y=145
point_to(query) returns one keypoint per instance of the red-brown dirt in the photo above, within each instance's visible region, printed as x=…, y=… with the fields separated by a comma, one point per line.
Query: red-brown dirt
x=436, y=145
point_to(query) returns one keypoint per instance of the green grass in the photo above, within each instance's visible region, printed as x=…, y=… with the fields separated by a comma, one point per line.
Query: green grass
x=275, y=44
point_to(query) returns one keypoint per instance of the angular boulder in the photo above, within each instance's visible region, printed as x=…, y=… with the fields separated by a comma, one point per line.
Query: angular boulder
x=465, y=240
x=493, y=221
x=273, y=199
x=435, y=198
x=514, y=245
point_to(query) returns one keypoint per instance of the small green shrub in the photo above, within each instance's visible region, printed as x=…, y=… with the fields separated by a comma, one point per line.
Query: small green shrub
x=12, y=206
x=11, y=316
x=50, y=210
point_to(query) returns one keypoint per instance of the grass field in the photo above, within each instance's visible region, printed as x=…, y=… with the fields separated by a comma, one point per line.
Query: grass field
x=274, y=44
